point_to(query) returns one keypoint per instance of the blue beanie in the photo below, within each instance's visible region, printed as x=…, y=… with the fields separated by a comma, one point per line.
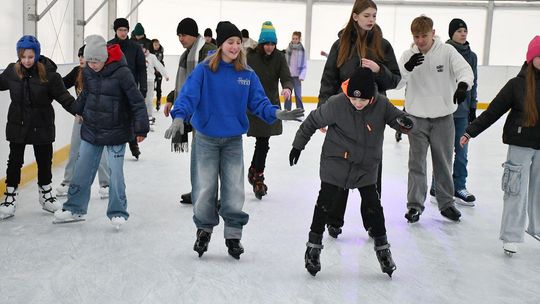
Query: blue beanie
x=29, y=42
x=268, y=33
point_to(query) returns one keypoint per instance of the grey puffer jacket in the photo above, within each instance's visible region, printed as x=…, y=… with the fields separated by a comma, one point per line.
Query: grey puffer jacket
x=352, y=148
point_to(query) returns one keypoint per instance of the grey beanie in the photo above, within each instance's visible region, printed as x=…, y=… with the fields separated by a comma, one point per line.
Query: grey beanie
x=96, y=49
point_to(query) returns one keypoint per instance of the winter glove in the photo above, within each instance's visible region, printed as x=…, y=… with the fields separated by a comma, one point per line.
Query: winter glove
x=290, y=115
x=176, y=126
x=415, y=60
x=405, y=124
x=294, y=156
x=461, y=93
x=472, y=114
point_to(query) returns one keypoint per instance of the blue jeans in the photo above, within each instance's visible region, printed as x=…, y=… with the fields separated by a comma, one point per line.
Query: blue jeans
x=222, y=159
x=297, y=85
x=85, y=172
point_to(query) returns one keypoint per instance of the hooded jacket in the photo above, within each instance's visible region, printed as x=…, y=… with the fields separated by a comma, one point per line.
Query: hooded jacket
x=31, y=113
x=136, y=61
x=511, y=97
x=112, y=107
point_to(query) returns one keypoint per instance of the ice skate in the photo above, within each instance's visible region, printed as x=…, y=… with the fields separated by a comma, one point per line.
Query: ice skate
x=412, y=215
x=151, y=121
x=118, y=221
x=509, y=248
x=333, y=231
x=104, y=192
x=201, y=244
x=62, y=216
x=382, y=249
x=185, y=198
x=464, y=197
x=235, y=248
x=259, y=188
x=432, y=197
x=451, y=213
x=47, y=200
x=62, y=190
x=251, y=175
x=9, y=205
x=312, y=257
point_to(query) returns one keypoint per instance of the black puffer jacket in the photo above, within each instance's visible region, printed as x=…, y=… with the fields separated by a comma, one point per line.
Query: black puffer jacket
x=511, y=97
x=31, y=114
x=135, y=60
x=112, y=107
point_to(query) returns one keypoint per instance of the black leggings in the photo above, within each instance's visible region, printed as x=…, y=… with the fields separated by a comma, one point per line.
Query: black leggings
x=158, y=81
x=43, y=154
x=259, y=155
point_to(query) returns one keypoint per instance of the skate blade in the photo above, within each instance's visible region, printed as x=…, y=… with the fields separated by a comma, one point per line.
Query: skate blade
x=5, y=217
x=509, y=253
x=47, y=210
x=463, y=203
x=68, y=221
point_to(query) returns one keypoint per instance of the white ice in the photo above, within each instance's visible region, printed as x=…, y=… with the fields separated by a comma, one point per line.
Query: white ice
x=151, y=258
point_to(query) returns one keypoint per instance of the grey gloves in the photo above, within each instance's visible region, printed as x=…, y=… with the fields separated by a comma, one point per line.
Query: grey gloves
x=290, y=115
x=176, y=126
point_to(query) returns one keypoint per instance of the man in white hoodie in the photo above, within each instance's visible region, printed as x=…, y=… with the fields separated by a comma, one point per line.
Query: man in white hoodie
x=437, y=79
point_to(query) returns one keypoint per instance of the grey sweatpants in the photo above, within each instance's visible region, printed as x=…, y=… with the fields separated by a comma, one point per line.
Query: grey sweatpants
x=520, y=183
x=437, y=134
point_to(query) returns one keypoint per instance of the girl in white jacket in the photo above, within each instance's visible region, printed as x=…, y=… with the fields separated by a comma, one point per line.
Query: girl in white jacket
x=152, y=64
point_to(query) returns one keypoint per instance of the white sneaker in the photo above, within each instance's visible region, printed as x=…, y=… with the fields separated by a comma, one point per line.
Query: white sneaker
x=118, y=221
x=65, y=216
x=8, y=207
x=47, y=200
x=509, y=248
x=62, y=190
x=104, y=192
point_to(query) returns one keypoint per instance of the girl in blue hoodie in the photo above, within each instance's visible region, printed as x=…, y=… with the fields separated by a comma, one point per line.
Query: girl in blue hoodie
x=215, y=98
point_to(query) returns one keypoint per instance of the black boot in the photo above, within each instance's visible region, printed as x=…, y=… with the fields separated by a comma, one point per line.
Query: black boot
x=259, y=188
x=235, y=247
x=251, y=175
x=382, y=249
x=201, y=244
x=412, y=215
x=451, y=213
x=333, y=231
x=185, y=198
x=313, y=253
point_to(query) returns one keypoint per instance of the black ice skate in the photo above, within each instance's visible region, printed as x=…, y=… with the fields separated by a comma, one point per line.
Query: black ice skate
x=412, y=215
x=235, y=248
x=201, y=244
x=382, y=249
x=259, y=188
x=333, y=231
x=451, y=213
x=186, y=198
x=313, y=253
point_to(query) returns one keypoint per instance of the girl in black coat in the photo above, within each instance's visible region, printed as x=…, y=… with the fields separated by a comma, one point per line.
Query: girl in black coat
x=33, y=83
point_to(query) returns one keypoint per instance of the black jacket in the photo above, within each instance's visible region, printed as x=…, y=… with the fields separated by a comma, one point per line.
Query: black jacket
x=511, y=97
x=112, y=107
x=135, y=61
x=31, y=114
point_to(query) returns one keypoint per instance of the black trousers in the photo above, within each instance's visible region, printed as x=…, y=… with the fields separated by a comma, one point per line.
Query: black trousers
x=157, y=87
x=259, y=155
x=43, y=154
x=336, y=213
x=372, y=211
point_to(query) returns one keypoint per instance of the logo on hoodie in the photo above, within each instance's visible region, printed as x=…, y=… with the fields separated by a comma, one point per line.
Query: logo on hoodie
x=440, y=68
x=242, y=81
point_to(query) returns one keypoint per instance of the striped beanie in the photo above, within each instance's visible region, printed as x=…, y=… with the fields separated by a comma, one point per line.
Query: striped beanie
x=268, y=33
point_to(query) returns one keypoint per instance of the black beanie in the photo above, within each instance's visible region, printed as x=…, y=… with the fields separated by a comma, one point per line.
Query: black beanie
x=245, y=33
x=80, y=53
x=455, y=25
x=208, y=32
x=120, y=22
x=187, y=26
x=226, y=30
x=361, y=84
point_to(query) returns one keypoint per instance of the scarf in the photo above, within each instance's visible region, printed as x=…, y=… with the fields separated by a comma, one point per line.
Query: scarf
x=296, y=47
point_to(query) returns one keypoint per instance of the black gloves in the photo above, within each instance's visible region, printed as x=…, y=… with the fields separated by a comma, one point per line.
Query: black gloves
x=405, y=124
x=472, y=114
x=294, y=156
x=415, y=60
x=461, y=93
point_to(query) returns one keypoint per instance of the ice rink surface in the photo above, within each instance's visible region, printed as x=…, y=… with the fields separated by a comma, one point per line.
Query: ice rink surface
x=151, y=259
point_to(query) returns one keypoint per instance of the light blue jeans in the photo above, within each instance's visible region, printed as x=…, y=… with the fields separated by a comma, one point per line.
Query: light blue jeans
x=222, y=159
x=297, y=85
x=85, y=172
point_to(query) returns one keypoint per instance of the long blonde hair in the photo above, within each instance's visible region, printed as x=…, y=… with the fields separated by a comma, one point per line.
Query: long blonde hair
x=240, y=63
x=40, y=67
x=530, y=118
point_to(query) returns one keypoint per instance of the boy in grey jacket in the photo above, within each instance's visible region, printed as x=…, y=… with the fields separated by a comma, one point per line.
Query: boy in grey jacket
x=350, y=155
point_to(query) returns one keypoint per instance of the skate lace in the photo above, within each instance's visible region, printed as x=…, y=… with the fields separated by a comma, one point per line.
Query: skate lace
x=8, y=195
x=47, y=196
x=464, y=193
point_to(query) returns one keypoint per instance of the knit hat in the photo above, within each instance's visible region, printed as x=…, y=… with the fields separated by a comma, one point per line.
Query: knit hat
x=138, y=30
x=96, y=49
x=245, y=33
x=30, y=42
x=534, y=49
x=187, y=26
x=360, y=85
x=81, y=51
x=268, y=33
x=208, y=32
x=455, y=25
x=226, y=30
x=120, y=22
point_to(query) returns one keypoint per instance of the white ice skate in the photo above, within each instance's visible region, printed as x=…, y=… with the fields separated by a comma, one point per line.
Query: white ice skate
x=62, y=190
x=47, y=200
x=7, y=208
x=104, y=192
x=118, y=221
x=64, y=216
x=510, y=248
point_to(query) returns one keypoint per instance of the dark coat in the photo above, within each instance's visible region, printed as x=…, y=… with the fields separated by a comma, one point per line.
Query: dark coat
x=332, y=78
x=352, y=148
x=112, y=107
x=31, y=113
x=471, y=100
x=271, y=70
x=136, y=61
x=511, y=97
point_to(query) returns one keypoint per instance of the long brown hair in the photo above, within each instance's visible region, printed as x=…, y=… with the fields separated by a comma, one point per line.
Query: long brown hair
x=373, y=50
x=40, y=67
x=531, y=112
x=79, y=81
x=240, y=63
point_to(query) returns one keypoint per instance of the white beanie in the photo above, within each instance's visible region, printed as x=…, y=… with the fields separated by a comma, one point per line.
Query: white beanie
x=96, y=49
